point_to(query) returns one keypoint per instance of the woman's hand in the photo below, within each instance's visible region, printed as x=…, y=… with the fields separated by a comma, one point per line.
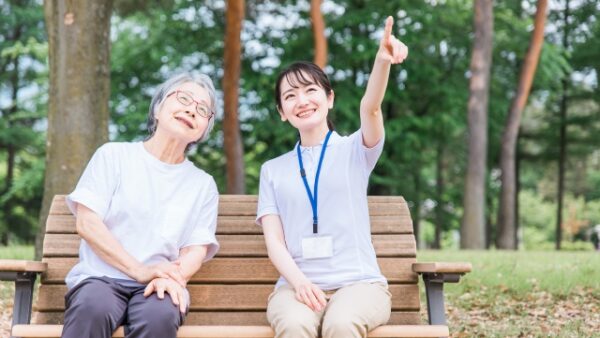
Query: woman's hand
x=311, y=295
x=390, y=48
x=162, y=285
x=144, y=274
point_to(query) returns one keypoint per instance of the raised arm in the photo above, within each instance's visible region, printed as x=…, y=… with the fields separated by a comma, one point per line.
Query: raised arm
x=306, y=292
x=391, y=51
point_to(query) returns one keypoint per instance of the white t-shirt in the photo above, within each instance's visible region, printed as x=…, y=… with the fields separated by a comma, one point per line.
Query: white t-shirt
x=152, y=208
x=342, y=208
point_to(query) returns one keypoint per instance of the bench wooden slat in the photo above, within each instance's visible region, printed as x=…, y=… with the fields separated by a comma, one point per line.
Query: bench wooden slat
x=235, y=205
x=415, y=331
x=229, y=297
x=233, y=318
x=67, y=245
x=384, y=224
x=233, y=270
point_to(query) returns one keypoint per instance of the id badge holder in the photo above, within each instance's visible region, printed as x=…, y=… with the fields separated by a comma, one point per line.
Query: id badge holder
x=315, y=247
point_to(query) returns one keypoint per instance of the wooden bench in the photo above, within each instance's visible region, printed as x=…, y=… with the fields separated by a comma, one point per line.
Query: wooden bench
x=229, y=294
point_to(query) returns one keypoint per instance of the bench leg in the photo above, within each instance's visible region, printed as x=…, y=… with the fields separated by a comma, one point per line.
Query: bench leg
x=436, y=310
x=23, y=297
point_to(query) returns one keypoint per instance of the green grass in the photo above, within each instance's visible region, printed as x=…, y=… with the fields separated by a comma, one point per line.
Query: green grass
x=17, y=252
x=519, y=272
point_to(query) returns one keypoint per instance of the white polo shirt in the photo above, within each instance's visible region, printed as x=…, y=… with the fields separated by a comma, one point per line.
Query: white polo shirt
x=342, y=208
x=152, y=208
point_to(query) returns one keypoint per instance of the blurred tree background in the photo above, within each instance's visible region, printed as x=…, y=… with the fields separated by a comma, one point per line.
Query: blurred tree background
x=425, y=107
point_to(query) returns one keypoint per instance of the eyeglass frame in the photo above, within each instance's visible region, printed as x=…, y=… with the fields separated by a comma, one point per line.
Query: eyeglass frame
x=176, y=92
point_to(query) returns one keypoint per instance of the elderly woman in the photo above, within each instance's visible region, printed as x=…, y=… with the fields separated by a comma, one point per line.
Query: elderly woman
x=147, y=217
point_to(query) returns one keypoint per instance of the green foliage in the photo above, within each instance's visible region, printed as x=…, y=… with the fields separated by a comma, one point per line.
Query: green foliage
x=537, y=219
x=23, y=82
x=425, y=106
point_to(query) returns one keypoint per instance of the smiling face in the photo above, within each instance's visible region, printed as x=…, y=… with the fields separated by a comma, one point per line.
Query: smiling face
x=178, y=115
x=303, y=101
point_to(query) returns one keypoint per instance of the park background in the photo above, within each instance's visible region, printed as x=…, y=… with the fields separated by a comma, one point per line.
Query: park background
x=492, y=128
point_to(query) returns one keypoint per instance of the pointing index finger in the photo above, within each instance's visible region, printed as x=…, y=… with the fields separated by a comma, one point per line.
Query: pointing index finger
x=389, y=22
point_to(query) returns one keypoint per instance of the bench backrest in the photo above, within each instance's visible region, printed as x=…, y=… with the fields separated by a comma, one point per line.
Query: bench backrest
x=232, y=289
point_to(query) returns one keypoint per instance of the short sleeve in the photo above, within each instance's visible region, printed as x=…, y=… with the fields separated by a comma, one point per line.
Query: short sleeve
x=267, y=205
x=367, y=157
x=206, y=226
x=97, y=184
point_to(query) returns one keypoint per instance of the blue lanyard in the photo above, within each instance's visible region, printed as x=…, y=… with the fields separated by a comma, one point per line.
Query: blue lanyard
x=313, y=200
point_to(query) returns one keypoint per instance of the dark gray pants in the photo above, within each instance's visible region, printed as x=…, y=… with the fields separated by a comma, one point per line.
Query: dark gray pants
x=97, y=306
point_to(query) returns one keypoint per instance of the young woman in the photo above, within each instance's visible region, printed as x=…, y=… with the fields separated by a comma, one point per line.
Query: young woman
x=147, y=217
x=314, y=212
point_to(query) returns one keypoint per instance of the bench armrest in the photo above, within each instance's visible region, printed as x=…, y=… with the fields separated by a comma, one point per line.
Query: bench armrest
x=23, y=273
x=16, y=265
x=435, y=274
x=442, y=267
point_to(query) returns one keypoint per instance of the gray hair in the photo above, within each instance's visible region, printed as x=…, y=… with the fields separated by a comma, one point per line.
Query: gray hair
x=166, y=87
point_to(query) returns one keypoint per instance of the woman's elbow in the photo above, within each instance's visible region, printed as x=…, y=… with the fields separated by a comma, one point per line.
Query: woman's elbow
x=83, y=226
x=369, y=109
x=273, y=250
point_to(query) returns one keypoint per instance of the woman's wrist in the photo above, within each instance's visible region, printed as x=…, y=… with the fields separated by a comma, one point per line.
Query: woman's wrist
x=382, y=57
x=296, y=284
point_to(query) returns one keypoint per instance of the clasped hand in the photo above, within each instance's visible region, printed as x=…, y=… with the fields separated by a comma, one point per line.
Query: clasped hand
x=144, y=274
x=174, y=289
x=164, y=277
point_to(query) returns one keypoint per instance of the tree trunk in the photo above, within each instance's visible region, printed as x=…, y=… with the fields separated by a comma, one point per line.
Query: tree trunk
x=517, y=190
x=440, y=187
x=78, y=54
x=506, y=212
x=11, y=146
x=489, y=227
x=416, y=213
x=318, y=26
x=562, y=157
x=234, y=152
x=472, y=234
x=11, y=150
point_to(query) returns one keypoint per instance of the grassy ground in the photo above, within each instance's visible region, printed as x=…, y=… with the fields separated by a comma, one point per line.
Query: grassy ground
x=508, y=294
x=524, y=294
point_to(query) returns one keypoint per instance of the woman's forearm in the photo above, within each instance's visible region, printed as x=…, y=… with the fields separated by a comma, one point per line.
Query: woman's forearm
x=190, y=260
x=371, y=118
x=284, y=263
x=91, y=228
x=376, y=86
x=278, y=252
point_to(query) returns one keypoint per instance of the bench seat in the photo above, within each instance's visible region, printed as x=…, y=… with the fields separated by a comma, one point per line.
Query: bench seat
x=215, y=331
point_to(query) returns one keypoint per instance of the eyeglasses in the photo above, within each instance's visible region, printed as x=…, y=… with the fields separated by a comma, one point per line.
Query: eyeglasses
x=186, y=99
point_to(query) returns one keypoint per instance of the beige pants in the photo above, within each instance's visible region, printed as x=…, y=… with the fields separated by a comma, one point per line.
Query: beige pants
x=351, y=311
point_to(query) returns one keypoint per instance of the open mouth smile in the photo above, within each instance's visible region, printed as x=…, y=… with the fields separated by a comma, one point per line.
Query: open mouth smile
x=185, y=121
x=306, y=113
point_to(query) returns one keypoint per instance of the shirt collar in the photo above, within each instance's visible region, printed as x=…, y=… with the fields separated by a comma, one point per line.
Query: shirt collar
x=333, y=139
